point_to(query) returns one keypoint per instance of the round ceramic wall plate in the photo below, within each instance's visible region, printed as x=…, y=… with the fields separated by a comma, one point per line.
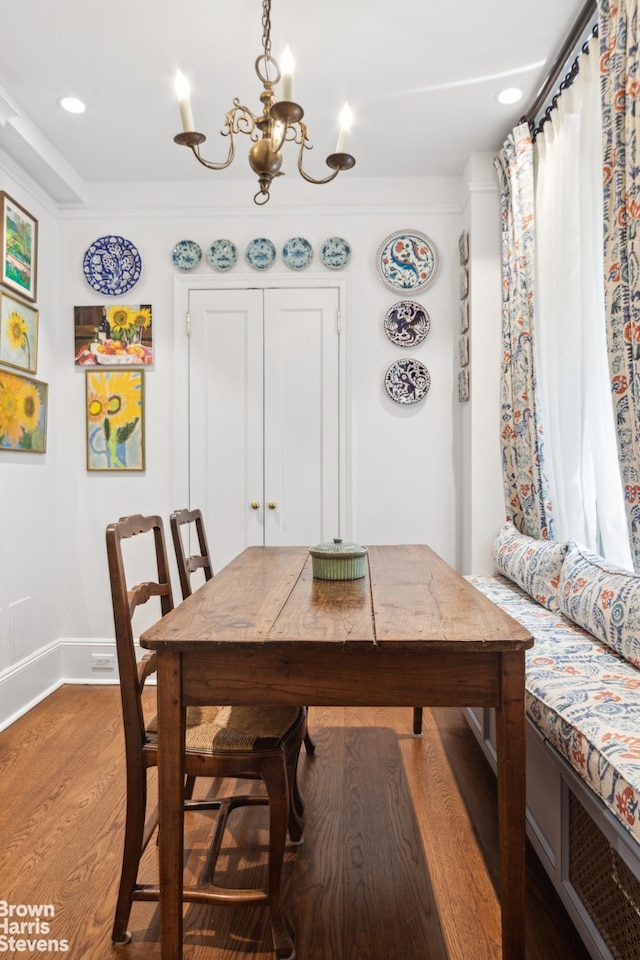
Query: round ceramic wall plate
x=297, y=253
x=407, y=261
x=335, y=253
x=407, y=323
x=222, y=254
x=186, y=255
x=407, y=381
x=261, y=254
x=112, y=265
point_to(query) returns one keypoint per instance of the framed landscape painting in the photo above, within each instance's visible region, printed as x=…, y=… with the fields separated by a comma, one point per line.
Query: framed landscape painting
x=18, y=333
x=23, y=413
x=19, y=239
x=115, y=420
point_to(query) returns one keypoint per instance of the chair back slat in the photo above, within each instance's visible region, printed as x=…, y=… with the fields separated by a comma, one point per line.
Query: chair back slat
x=188, y=561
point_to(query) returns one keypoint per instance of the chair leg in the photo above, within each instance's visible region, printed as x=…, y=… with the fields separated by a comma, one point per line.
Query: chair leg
x=309, y=745
x=133, y=846
x=296, y=803
x=274, y=773
x=417, y=721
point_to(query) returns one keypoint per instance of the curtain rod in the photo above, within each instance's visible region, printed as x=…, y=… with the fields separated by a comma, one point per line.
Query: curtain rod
x=550, y=81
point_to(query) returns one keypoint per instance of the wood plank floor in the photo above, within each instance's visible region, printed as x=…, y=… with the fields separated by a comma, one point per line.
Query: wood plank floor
x=399, y=860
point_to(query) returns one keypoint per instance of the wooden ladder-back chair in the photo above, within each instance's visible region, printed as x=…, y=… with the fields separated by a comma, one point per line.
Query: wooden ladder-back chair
x=189, y=562
x=237, y=742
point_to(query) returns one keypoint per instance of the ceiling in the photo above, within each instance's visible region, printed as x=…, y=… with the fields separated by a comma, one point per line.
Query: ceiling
x=420, y=77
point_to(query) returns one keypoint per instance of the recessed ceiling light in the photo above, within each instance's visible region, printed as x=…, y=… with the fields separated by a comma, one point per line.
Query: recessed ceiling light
x=72, y=104
x=509, y=95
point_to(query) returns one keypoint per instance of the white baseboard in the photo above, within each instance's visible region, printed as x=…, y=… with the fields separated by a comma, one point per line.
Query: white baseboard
x=68, y=660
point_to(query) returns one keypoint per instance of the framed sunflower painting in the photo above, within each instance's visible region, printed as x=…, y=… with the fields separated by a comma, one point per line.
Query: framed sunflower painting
x=18, y=334
x=23, y=413
x=115, y=419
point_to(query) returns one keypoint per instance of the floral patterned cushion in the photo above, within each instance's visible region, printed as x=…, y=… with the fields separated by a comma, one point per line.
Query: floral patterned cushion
x=535, y=565
x=583, y=697
x=604, y=599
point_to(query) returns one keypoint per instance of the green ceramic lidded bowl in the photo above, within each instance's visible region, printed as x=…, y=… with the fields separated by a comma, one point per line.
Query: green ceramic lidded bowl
x=338, y=560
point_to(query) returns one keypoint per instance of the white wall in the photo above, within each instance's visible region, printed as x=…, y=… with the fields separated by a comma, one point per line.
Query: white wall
x=409, y=467
x=30, y=483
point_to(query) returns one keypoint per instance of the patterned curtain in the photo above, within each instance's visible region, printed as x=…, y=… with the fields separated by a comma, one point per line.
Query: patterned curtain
x=620, y=85
x=526, y=498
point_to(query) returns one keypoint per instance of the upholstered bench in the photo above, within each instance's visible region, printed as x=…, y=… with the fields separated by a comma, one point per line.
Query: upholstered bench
x=583, y=712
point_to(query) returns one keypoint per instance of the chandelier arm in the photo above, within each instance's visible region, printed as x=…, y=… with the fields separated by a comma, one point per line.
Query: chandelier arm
x=309, y=179
x=216, y=166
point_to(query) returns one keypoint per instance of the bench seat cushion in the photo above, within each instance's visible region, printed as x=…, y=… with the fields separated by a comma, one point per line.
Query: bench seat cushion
x=582, y=696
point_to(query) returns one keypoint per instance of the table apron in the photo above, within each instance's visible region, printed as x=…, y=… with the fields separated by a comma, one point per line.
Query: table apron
x=342, y=678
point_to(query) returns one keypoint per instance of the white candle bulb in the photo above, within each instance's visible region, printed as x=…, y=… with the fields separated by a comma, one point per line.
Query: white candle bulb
x=287, y=74
x=346, y=119
x=182, y=92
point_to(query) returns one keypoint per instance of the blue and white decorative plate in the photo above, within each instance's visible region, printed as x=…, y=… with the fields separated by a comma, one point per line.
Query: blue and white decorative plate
x=112, y=265
x=297, y=253
x=222, y=254
x=407, y=381
x=407, y=261
x=186, y=254
x=407, y=323
x=335, y=253
x=261, y=254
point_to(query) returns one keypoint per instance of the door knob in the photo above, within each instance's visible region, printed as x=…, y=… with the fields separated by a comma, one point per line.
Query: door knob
x=272, y=505
x=255, y=504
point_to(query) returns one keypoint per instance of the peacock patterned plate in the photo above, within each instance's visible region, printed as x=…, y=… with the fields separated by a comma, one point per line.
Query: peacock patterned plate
x=406, y=323
x=112, y=265
x=407, y=381
x=407, y=261
x=222, y=254
x=186, y=255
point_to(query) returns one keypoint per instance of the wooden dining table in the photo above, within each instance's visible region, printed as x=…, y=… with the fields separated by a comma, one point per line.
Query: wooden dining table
x=411, y=632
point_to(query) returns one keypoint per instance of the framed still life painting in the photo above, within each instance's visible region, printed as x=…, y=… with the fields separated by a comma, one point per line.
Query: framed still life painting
x=19, y=239
x=113, y=335
x=18, y=334
x=23, y=413
x=115, y=419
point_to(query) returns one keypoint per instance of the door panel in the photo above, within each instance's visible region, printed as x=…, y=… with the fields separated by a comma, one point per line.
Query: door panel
x=264, y=416
x=225, y=418
x=301, y=416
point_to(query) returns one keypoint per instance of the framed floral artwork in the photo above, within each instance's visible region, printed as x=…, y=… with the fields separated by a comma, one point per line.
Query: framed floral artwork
x=23, y=413
x=18, y=334
x=120, y=335
x=19, y=238
x=115, y=419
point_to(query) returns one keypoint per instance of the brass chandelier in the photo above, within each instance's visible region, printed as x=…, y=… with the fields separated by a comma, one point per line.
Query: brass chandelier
x=280, y=121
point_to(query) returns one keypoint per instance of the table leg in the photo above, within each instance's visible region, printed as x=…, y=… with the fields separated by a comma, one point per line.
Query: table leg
x=171, y=734
x=510, y=721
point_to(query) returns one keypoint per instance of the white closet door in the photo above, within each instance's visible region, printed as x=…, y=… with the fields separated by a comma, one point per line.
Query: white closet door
x=226, y=460
x=264, y=430
x=301, y=416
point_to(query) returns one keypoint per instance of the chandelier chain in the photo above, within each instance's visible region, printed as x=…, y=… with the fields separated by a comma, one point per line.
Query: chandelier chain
x=266, y=27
